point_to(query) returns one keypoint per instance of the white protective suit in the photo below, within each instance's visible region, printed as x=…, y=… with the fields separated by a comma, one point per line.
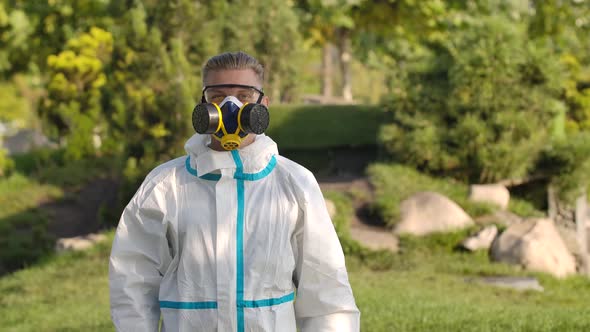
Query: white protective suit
x=229, y=241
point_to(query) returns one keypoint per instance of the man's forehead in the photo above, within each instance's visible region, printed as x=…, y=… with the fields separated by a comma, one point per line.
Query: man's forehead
x=232, y=76
x=229, y=88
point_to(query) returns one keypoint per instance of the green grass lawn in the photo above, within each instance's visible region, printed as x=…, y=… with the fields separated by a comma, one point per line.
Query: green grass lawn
x=423, y=299
x=425, y=290
x=64, y=293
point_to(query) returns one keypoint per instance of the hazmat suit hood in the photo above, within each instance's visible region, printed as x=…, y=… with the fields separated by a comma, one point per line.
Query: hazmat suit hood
x=255, y=156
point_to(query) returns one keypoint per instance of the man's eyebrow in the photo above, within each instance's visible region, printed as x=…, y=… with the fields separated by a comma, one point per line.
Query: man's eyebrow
x=244, y=90
x=216, y=90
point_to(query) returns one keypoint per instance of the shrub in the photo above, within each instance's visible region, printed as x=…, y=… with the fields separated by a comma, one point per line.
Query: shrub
x=479, y=107
x=318, y=127
x=6, y=164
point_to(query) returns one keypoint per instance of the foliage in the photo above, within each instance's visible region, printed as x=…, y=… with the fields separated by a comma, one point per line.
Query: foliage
x=479, y=106
x=319, y=127
x=15, y=29
x=73, y=107
x=273, y=38
x=568, y=164
x=577, y=94
x=23, y=240
x=148, y=95
x=13, y=109
x=6, y=164
x=393, y=183
x=36, y=30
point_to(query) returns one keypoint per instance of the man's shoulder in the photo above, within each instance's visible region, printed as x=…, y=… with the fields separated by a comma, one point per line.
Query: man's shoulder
x=299, y=175
x=166, y=169
x=161, y=174
x=291, y=167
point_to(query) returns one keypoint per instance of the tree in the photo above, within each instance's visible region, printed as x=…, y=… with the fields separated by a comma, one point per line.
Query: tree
x=37, y=29
x=328, y=23
x=567, y=26
x=72, y=108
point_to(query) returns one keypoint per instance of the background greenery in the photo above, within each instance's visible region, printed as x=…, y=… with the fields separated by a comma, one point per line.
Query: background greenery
x=437, y=94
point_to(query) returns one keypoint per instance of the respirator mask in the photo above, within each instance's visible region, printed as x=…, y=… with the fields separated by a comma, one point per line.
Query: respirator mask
x=230, y=118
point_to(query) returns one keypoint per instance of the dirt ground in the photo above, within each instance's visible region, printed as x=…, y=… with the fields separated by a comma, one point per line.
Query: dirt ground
x=81, y=211
x=365, y=227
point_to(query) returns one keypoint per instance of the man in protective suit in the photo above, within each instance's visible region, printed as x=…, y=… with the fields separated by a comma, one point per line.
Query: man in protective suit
x=233, y=236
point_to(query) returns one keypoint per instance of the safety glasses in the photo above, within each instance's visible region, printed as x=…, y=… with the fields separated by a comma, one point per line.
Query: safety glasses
x=245, y=93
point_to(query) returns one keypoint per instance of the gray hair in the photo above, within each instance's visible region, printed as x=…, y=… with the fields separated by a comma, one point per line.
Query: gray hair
x=233, y=60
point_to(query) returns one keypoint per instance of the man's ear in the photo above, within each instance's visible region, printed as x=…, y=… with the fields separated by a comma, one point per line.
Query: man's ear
x=265, y=101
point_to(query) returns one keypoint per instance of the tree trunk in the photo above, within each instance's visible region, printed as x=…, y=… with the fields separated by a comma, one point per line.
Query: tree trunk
x=345, y=60
x=327, y=70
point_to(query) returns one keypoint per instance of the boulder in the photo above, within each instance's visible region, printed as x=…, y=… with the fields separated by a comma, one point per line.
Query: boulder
x=78, y=242
x=428, y=212
x=499, y=217
x=536, y=245
x=495, y=194
x=482, y=240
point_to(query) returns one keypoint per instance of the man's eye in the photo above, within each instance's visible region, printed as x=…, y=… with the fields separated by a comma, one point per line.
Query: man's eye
x=217, y=98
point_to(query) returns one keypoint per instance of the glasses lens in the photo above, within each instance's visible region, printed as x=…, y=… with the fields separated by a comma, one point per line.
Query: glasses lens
x=244, y=95
x=214, y=96
x=247, y=95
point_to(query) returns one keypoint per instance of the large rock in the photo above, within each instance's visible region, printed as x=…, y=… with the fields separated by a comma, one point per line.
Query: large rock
x=428, y=212
x=499, y=217
x=495, y=194
x=536, y=245
x=78, y=243
x=482, y=240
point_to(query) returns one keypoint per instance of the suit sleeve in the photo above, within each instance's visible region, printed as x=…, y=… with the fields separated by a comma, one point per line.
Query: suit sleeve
x=139, y=258
x=324, y=301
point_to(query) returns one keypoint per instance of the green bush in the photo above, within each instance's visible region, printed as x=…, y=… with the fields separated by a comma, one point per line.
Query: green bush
x=6, y=164
x=317, y=127
x=567, y=163
x=23, y=239
x=479, y=106
x=52, y=166
x=35, y=161
x=23, y=227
